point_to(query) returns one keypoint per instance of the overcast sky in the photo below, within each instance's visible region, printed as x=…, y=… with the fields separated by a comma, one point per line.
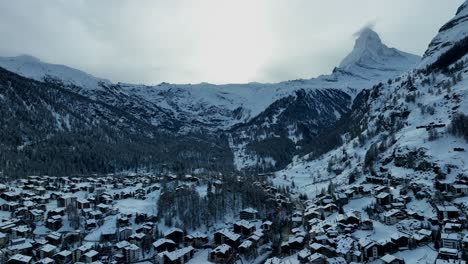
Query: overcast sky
x=191, y=41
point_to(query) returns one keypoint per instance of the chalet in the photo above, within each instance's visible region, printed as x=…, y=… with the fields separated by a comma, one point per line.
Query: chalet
x=387, y=246
x=322, y=249
x=422, y=237
x=196, y=239
x=221, y=254
x=317, y=258
x=345, y=247
x=175, y=234
x=448, y=253
x=175, y=257
x=444, y=185
x=10, y=196
x=296, y=242
x=330, y=208
x=303, y=256
x=244, y=228
x=460, y=189
x=464, y=243
x=267, y=226
x=10, y=206
x=64, y=256
x=20, y=231
x=452, y=228
x=450, y=240
x=54, y=238
x=390, y=259
x=90, y=224
x=342, y=198
x=123, y=220
x=137, y=239
x=83, y=204
x=66, y=200
x=92, y=214
x=248, y=214
x=246, y=248
x=336, y=260
x=103, y=208
x=35, y=215
x=367, y=224
x=131, y=253
x=47, y=250
x=164, y=244
x=384, y=199
x=312, y=213
x=120, y=246
x=20, y=246
x=225, y=236
x=80, y=251
x=45, y=261
x=3, y=239
x=393, y=216
x=369, y=249
x=257, y=238
x=20, y=259
x=91, y=256
x=447, y=212
x=401, y=240
x=124, y=233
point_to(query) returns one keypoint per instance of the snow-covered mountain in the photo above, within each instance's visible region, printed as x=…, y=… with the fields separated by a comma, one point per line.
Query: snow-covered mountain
x=31, y=67
x=449, y=34
x=248, y=116
x=409, y=128
x=371, y=59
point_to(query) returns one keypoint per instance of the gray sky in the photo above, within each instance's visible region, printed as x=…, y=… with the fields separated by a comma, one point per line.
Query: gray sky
x=219, y=41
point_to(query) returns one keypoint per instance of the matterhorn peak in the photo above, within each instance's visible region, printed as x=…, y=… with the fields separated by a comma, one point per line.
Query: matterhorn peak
x=367, y=39
x=368, y=45
x=370, y=56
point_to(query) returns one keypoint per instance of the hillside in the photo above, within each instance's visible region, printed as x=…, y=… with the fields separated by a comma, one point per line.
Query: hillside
x=403, y=128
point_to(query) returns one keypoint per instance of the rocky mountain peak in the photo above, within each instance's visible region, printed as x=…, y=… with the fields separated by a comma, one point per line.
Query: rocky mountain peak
x=371, y=58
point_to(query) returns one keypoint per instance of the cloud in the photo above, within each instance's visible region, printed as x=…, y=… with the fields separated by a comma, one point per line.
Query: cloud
x=369, y=25
x=151, y=41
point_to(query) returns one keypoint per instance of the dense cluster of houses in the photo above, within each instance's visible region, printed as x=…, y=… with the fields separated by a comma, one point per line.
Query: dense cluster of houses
x=47, y=219
x=77, y=220
x=324, y=232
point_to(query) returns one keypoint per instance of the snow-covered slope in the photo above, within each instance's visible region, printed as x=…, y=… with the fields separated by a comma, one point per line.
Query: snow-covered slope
x=391, y=131
x=449, y=34
x=31, y=67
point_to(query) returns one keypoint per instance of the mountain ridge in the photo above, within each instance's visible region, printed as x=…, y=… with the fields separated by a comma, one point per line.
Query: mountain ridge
x=246, y=115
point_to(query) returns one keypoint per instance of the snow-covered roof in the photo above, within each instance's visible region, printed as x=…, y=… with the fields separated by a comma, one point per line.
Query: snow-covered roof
x=174, y=255
x=162, y=241
x=229, y=234
x=450, y=236
x=246, y=244
x=21, y=258
x=172, y=230
x=48, y=248
x=222, y=249
x=91, y=253
x=388, y=258
x=250, y=210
